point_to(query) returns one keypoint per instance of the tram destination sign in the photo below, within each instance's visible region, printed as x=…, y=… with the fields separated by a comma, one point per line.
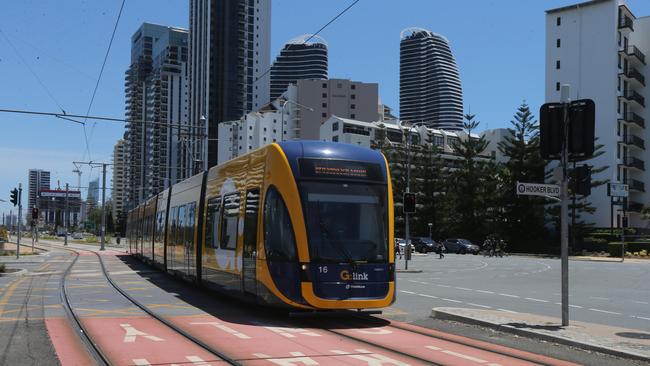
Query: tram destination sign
x=340, y=169
x=536, y=189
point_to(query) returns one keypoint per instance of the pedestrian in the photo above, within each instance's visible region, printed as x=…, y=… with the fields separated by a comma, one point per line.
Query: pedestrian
x=397, y=251
x=439, y=250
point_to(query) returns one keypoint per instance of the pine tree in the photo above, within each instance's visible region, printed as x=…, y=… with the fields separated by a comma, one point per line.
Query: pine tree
x=523, y=216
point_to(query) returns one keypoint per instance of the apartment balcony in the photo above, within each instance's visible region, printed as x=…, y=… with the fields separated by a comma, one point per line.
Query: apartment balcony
x=632, y=140
x=632, y=96
x=633, y=118
x=635, y=185
x=634, y=54
x=632, y=162
x=633, y=74
x=625, y=22
x=634, y=206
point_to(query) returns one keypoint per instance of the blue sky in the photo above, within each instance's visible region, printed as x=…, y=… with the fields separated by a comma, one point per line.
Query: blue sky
x=499, y=47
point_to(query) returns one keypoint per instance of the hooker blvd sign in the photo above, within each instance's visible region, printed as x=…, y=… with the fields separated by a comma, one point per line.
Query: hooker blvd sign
x=536, y=189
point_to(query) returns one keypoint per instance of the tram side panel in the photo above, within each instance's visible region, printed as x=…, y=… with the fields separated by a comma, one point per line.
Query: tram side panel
x=159, y=229
x=181, y=244
x=221, y=257
x=148, y=228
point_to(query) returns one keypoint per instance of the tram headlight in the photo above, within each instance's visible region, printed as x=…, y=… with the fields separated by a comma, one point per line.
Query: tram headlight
x=304, y=272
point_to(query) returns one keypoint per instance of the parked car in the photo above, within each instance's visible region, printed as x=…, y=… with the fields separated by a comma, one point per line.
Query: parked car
x=424, y=244
x=461, y=246
x=77, y=236
x=402, y=245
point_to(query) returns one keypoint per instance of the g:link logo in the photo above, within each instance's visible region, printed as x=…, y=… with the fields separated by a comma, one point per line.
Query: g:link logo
x=346, y=276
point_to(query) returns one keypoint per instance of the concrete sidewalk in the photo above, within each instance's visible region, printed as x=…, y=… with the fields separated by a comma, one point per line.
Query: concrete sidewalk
x=621, y=342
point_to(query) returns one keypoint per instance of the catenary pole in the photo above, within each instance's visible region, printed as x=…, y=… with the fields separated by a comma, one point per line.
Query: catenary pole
x=66, y=215
x=103, y=229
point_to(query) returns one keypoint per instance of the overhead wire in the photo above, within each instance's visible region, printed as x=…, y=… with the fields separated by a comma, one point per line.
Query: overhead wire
x=99, y=78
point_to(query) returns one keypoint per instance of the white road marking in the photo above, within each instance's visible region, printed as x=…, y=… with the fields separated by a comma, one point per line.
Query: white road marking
x=508, y=311
x=605, y=311
x=480, y=306
x=290, y=332
x=460, y=355
x=598, y=298
x=408, y=292
x=641, y=302
x=444, y=286
x=131, y=333
x=485, y=292
x=533, y=299
x=464, y=288
x=430, y=296
x=640, y=317
x=225, y=328
x=571, y=306
x=370, y=358
x=374, y=331
x=508, y=295
x=442, y=298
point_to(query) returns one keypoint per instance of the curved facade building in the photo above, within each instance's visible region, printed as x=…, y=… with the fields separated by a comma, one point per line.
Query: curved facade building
x=298, y=60
x=430, y=89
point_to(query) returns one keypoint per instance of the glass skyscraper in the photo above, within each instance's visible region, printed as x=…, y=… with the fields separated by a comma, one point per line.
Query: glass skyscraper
x=298, y=60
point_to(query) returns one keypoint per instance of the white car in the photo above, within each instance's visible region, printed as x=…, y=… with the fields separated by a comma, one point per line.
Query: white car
x=77, y=236
x=402, y=245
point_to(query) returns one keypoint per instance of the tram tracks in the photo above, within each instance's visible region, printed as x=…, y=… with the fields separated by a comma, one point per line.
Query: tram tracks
x=92, y=346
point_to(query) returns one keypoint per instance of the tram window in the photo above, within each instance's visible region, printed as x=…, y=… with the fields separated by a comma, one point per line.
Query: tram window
x=229, y=220
x=212, y=222
x=279, y=240
x=189, y=224
x=250, y=220
x=174, y=224
x=160, y=227
x=180, y=229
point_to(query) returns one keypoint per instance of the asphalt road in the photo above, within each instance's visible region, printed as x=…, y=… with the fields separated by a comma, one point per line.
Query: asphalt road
x=615, y=294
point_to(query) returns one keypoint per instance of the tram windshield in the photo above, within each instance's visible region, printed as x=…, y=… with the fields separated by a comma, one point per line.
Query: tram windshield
x=346, y=222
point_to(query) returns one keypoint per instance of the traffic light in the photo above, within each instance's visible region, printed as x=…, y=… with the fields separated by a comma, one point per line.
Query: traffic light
x=581, y=134
x=582, y=114
x=409, y=203
x=582, y=180
x=550, y=130
x=34, y=213
x=14, y=196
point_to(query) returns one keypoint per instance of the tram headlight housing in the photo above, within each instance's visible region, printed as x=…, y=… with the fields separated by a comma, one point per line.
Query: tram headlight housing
x=304, y=272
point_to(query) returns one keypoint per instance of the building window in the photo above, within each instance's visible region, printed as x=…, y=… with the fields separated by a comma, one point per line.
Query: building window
x=619, y=38
x=353, y=86
x=324, y=115
x=619, y=61
x=353, y=96
x=353, y=116
x=324, y=95
x=250, y=128
x=250, y=147
x=335, y=138
x=353, y=106
x=618, y=84
x=324, y=85
x=324, y=105
x=557, y=86
x=558, y=42
x=558, y=21
x=339, y=85
x=557, y=64
x=335, y=126
x=618, y=105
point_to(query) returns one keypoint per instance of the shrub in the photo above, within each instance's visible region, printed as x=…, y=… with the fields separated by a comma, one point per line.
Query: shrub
x=630, y=247
x=92, y=239
x=2, y=268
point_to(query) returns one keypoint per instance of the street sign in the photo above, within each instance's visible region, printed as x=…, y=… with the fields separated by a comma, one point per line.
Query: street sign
x=617, y=190
x=537, y=189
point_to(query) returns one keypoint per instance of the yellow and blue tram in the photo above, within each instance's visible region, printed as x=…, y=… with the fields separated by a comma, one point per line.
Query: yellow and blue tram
x=300, y=224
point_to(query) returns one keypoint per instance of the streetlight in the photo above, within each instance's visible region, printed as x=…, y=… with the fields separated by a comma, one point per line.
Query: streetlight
x=284, y=105
x=430, y=225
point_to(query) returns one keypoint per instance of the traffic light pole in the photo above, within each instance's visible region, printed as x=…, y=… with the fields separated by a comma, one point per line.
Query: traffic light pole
x=407, y=247
x=564, y=211
x=20, y=214
x=103, y=231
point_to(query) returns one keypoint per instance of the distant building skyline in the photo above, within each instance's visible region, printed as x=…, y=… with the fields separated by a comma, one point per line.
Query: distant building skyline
x=430, y=87
x=299, y=59
x=39, y=179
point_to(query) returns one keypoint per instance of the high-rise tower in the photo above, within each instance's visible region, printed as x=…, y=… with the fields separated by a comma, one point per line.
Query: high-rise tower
x=430, y=89
x=298, y=60
x=230, y=42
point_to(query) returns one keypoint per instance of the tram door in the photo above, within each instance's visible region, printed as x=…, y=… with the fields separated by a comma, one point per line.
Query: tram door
x=250, y=241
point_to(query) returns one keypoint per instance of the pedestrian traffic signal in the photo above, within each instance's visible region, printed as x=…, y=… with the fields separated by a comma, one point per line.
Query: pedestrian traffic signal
x=581, y=117
x=34, y=213
x=409, y=203
x=14, y=196
x=582, y=180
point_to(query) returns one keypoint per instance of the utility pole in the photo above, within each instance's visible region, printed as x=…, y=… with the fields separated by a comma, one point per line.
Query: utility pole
x=20, y=213
x=103, y=225
x=65, y=215
x=407, y=247
x=564, y=214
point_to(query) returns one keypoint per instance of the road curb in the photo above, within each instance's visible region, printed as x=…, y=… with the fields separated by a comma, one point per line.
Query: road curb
x=408, y=270
x=444, y=315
